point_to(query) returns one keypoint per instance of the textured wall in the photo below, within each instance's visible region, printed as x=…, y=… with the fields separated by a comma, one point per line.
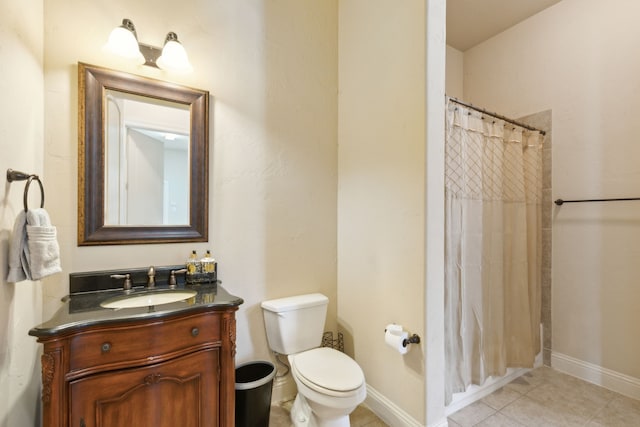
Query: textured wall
x=381, y=211
x=455, y=67
x=21, y=145
x=589, y=80
x=271, y=69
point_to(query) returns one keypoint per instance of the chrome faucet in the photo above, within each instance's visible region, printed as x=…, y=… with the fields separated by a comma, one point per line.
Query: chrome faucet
x=172, y=277
x=127, y=286
x=151, y=274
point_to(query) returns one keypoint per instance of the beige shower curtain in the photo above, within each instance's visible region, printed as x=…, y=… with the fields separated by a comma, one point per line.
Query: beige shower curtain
x=493, y=247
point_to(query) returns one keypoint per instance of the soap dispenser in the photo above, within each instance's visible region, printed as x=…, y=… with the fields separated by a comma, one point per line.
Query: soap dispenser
x=208, y=263
x=192, y=263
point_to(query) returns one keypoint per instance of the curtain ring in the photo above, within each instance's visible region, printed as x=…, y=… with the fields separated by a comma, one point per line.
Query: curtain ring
x=26, y=191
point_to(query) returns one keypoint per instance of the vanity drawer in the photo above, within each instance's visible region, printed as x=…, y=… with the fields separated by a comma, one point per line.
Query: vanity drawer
x=141, y=343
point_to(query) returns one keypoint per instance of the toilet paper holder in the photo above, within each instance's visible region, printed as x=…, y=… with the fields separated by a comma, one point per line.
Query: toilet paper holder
x=411, y=339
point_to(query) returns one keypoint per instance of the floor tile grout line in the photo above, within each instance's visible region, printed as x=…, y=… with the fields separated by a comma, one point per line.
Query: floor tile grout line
x=522, y=396
x=487, y=417
x=512, y=403
x=599, y=411
x=515, y=420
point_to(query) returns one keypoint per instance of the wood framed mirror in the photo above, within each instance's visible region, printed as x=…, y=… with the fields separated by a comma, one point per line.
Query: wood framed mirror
x=143, y=160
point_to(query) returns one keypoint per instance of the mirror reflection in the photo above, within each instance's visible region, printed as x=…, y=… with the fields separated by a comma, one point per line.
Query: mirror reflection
x=146, y=161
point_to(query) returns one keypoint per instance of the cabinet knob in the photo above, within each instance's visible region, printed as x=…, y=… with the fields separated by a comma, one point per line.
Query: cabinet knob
x=106, y=347
x=195, y=332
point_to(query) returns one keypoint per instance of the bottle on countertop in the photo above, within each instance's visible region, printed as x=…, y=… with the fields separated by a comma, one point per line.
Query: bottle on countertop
x=208, y=263
x=192, y=263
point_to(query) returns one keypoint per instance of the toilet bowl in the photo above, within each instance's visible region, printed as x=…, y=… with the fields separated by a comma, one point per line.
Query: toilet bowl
x=330, y=386
x=330, y=383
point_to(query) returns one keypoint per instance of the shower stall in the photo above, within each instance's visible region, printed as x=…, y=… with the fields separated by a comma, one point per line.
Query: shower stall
x=493, y=248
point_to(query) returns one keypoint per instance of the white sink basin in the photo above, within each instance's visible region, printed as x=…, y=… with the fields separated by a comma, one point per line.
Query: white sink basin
x=148, y=298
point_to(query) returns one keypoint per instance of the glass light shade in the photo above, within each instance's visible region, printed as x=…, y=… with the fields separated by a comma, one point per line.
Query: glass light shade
x=123, y=42
x=174, y=56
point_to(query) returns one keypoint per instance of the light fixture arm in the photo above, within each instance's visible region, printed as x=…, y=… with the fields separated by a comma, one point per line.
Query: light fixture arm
x=171, y=37
x=171, y=56
x=127, y=24
x=151, y=54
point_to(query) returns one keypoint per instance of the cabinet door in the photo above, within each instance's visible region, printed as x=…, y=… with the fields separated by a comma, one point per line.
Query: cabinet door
x=182, y=392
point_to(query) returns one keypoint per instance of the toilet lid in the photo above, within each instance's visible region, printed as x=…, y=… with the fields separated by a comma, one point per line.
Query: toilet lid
x=329, y=369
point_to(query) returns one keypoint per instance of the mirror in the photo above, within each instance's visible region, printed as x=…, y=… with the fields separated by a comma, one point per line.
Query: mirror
x=146, y=161
x=142, y=159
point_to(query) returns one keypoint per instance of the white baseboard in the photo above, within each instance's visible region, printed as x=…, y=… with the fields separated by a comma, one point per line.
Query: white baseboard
x=612, y=380
x=391, y=413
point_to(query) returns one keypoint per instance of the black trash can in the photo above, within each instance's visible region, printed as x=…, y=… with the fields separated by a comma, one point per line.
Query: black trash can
x=254, y=381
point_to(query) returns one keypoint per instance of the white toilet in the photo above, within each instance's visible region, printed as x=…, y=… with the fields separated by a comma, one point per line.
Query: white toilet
x=330, y=384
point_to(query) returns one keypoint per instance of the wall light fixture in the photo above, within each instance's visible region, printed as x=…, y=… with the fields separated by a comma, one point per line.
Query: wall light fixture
x=123, y=41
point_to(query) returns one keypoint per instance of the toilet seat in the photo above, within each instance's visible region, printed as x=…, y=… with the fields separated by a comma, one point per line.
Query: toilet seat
x=328, y=371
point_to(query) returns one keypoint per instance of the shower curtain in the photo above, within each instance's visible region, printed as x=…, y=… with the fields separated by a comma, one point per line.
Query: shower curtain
x=493, y=247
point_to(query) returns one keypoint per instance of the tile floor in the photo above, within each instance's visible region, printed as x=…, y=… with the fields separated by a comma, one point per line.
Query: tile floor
x=362, y=416
x=545, y=397
x=540, y=398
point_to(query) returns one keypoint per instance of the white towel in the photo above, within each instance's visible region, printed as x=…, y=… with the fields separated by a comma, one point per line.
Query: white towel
x=42, y=245
x=16, y=249
x=34, y=252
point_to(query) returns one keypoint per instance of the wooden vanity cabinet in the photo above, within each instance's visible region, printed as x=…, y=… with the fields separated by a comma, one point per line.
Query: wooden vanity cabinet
x=175, y=393
x=159, y=372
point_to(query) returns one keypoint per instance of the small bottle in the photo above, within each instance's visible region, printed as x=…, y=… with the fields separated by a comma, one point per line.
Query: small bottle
x=192, y=263
x=208, y=263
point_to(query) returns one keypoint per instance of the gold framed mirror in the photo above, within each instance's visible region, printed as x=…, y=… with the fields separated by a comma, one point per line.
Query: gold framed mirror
x=143, y=159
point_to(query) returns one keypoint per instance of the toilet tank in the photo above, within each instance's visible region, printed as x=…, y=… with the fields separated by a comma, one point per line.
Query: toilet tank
x=295, y=324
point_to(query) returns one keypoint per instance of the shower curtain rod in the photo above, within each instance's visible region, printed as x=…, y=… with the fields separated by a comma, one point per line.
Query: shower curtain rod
x=496, y=115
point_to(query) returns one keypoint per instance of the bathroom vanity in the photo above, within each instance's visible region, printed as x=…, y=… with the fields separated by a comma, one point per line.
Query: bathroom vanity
x=165, y=365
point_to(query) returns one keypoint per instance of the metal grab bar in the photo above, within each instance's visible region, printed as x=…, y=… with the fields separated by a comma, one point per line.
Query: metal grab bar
x=560, y=202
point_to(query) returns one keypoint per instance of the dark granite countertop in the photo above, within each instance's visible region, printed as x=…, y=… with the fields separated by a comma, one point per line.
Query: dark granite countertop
x=81, y=310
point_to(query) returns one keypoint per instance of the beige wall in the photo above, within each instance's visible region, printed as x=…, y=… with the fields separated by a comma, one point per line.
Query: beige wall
x=271, y=69
x=455, y=67
x=381, y=194
x=21, y=145
x=579, y=59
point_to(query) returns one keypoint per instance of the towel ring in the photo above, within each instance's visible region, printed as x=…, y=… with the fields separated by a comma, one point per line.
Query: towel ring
x=26, y=191
x=13, y=175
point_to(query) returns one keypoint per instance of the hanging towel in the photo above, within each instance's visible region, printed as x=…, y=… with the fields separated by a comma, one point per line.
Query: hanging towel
x=16, y=249
x=43, y=251
x=34, y=252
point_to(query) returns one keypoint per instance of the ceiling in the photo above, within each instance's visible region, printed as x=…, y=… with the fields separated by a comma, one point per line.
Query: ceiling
x=470, y=22
x=170, y=140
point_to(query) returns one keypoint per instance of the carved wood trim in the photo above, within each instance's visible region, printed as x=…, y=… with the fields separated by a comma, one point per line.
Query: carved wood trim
x=48, y=372
x=230, y=330
x=152, y=379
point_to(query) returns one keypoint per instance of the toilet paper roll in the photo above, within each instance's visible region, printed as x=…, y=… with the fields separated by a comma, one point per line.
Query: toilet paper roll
x=394, y=336
x=393, y=328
